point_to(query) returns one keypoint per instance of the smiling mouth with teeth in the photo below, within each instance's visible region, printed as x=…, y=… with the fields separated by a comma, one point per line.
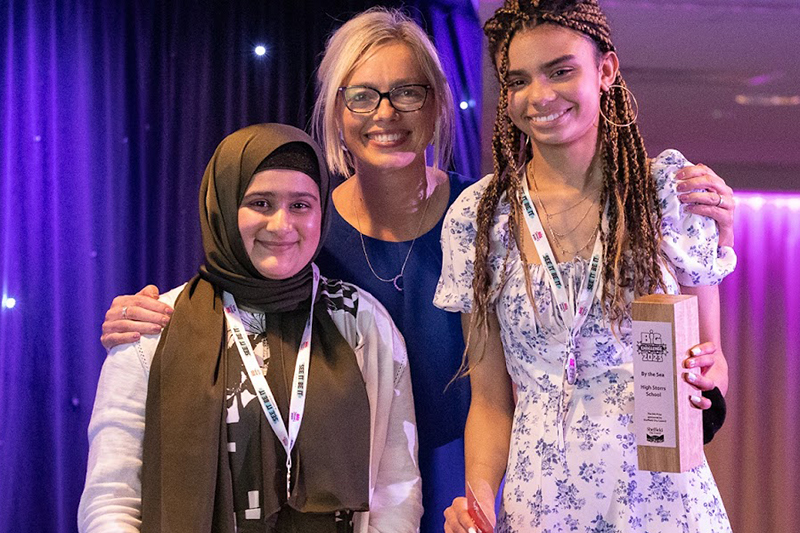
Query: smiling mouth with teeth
x=548, y=118
x=385, y=137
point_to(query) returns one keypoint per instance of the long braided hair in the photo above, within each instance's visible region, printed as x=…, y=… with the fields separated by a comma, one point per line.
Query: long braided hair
x=633, y=218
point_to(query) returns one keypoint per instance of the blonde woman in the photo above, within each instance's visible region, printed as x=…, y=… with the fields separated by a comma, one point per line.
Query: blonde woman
x=383, y=99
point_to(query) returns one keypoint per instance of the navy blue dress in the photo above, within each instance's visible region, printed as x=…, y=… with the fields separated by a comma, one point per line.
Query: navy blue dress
x=433, y=338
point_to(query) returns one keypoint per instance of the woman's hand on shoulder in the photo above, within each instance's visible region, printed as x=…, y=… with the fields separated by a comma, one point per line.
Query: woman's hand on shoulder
x=705, y=193
x=131, y=316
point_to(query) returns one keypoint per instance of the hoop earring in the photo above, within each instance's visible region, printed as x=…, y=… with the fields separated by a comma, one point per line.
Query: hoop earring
x=635, y=103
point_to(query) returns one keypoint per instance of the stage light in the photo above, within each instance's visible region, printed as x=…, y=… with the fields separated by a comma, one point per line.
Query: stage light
x=758, y=200
x=8, y=302
x=464, y=104
x=260, y=50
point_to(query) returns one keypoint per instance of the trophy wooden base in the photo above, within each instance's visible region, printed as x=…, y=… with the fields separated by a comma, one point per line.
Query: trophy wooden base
x=669, y=429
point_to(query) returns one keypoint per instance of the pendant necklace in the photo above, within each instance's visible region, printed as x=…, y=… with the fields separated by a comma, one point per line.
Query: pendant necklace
x=397, y=281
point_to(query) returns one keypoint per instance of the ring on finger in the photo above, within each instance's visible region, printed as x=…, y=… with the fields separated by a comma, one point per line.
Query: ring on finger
x=719, y=202
x=125, y=312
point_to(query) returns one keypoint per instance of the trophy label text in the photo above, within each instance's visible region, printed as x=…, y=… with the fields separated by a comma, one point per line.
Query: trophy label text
x=654, y=388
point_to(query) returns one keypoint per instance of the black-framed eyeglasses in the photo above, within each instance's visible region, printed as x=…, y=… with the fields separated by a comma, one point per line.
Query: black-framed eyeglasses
x=404, y=98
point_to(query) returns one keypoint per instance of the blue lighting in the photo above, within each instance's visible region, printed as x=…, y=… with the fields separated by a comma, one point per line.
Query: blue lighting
x=464, y=104
x=8, y=302
x=260, y=50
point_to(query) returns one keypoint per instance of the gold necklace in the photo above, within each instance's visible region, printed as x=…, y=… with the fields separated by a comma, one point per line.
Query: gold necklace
x=554, y=233
x=397, y=280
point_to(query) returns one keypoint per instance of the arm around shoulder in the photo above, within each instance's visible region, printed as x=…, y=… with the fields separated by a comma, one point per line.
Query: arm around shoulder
x=690, y=241
x=111, y=499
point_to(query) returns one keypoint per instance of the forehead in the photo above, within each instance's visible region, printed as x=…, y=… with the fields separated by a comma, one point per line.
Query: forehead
x=281, y=181
x=388, y=64
x=531, y=48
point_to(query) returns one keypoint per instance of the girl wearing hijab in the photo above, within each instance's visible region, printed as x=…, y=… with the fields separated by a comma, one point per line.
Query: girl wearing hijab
x=276, y=400
x=382, y=99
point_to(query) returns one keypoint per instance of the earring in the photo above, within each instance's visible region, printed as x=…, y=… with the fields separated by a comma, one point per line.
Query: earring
x=341, y=142
x=635, y=103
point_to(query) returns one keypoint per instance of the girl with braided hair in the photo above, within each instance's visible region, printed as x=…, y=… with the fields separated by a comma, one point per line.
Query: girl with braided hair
x=543, y=259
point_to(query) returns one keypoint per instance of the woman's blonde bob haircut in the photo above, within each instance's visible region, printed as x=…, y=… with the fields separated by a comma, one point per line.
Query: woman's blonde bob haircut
x=347, y=49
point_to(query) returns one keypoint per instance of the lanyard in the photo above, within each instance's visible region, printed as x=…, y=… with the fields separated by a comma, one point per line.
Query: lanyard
x=589, y=286
x=297, y=403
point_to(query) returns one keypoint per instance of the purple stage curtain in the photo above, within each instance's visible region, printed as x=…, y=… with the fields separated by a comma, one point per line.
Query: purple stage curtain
x=756, y=456
x=110, y=111
x=458, y=36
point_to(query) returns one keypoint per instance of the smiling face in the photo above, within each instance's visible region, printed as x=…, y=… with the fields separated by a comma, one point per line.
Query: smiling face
x=554, y=81
x=279, y=221
x=387, y=138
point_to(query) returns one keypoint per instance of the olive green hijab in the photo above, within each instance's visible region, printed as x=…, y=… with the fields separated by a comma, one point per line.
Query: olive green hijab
x=226, y=179
x=186, y=471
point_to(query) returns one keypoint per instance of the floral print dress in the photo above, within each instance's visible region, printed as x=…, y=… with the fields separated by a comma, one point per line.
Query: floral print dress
x=572, y=462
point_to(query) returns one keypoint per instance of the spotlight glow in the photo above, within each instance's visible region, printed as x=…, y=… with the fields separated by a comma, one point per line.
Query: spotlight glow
x=9, y=303
x=260, y=50
x=464, y=104
x=757, y=200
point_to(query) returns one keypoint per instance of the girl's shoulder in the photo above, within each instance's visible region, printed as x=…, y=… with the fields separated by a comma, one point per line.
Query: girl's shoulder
x=339, y=296
x=364, y=322
x=690, y=242
x=664, y=167
x=466, y=205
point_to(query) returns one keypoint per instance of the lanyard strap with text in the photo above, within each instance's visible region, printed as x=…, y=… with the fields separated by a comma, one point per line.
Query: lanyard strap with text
x=264, y=394
x=589, y=287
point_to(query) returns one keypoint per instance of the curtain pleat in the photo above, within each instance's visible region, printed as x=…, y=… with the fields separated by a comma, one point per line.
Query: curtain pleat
x=755, y=457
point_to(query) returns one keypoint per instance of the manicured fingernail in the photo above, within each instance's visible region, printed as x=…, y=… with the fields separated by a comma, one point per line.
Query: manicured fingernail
x=691, y=363
x=696, y=399
x=169, y=311
x=472, y=530
x=691, y=377
x=695, y=351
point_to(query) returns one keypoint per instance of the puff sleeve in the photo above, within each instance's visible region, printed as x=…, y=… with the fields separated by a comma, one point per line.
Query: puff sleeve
x=690, y=241
x=454, y=289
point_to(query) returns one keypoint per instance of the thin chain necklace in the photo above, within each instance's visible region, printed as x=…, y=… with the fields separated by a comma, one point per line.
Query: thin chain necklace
x=397, y=280
x=554, y=233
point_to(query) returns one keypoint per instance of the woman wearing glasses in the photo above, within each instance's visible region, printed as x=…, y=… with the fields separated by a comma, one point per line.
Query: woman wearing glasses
x=383, y=99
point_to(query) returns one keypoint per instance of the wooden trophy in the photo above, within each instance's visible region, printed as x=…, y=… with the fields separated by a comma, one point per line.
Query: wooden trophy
x=669, y=429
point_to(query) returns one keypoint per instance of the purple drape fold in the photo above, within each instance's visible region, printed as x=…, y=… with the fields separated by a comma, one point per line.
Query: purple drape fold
x=756, y=456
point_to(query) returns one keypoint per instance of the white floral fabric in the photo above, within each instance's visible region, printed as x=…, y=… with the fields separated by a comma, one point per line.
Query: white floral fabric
x=572, y=462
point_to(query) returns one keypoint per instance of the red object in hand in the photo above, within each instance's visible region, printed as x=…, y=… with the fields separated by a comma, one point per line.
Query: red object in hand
x=477, y=513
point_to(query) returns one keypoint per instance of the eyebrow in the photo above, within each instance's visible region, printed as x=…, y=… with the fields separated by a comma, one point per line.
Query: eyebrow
x=549, y=64
x=293, y=195
x=395, y=83
x=556, y=61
